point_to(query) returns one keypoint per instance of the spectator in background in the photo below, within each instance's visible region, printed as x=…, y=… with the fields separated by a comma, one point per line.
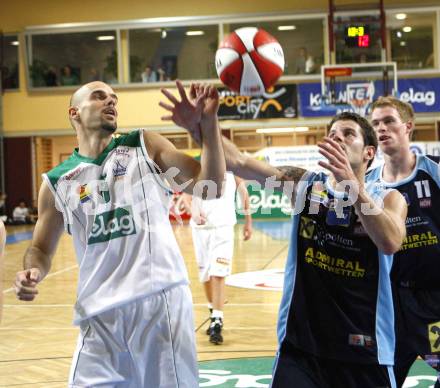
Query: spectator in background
x=94, y=75
x=162, y=75
x=149, y=75
x=429, y=62
x=363, y=58
x=20, y=215
x=68, y=78
x=305, y=64
x=110, y=77
x=51, y=77
x=9, y=78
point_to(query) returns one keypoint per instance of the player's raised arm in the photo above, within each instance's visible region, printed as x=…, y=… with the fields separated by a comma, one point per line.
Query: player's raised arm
x=38, y=257
x=192, y=119
x=390, y=219
x=212, y=166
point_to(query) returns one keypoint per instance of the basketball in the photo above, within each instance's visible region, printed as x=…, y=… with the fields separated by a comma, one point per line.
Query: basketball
x=249, y=61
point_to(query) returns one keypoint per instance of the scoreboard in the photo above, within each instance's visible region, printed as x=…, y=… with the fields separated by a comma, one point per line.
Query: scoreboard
x=357, y=36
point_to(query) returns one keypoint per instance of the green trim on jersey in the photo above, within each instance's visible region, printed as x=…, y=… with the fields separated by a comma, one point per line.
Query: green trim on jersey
x=98, y=161
x=57, y=172
x=131, y=139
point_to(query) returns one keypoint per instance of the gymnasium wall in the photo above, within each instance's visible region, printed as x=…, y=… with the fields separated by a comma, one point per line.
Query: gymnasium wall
x=29, y=113
x=18, y=14
x=18, y=171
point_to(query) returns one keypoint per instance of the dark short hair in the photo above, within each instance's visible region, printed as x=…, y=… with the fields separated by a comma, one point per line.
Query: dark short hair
x=368, y=134
x=367, y=130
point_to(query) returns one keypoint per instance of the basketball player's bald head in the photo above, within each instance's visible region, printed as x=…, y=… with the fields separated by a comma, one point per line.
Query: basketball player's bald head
x=93, y=105
x=81, y=93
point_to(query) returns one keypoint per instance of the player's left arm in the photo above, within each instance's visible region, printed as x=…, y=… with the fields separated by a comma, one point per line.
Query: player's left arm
x=244, y=196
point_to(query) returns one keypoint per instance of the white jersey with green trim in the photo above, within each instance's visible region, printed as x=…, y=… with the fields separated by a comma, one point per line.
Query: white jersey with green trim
x=116, y=209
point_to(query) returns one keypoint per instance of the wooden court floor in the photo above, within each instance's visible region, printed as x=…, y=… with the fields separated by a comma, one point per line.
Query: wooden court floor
x=37, y=339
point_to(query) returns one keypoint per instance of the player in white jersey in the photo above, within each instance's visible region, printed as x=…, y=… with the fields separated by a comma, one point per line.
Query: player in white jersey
x=133, y=303
x=212, y=223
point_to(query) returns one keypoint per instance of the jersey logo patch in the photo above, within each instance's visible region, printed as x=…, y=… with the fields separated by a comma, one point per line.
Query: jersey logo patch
x=112, y=224
x=434, y=336
x=306, y=228
x=84, y=193
x=119, y=170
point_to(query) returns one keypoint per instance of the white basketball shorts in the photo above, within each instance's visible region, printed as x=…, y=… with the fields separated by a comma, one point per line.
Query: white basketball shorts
x=214, y=248
x=148, y=343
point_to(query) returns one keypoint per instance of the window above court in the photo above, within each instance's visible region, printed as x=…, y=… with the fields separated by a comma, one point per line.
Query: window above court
x=162, y=54
x=9, y=64
x=72, y=58
x=146, y=51
x=412, y=38
x=140, y=53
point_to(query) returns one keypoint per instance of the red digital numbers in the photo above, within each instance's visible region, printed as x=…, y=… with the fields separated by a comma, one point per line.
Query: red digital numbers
x=364, y=41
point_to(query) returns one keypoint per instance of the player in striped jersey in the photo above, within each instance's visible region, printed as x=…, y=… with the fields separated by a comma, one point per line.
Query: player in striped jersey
x=415, y=274
x=336, y=326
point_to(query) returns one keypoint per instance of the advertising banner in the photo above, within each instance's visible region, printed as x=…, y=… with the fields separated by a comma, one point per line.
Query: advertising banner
x=422, y=93
x=280, y=102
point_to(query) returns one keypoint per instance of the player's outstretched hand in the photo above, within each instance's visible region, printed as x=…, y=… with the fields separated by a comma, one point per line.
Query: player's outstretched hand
x=186, y=113
x=210, y=97
x=25, y=284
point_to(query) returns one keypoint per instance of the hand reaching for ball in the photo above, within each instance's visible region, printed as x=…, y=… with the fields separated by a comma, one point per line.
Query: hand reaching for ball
x=201, y=106
x=185, y=113
x=209, y=97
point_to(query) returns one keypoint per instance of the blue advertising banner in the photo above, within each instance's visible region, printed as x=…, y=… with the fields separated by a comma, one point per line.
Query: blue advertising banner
x=422, y=93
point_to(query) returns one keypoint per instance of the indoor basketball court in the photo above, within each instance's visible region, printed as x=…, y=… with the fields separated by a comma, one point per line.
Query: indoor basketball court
x=338, y=56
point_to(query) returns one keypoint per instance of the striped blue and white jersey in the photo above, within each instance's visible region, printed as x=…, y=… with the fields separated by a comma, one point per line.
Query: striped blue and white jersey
x=337, y=300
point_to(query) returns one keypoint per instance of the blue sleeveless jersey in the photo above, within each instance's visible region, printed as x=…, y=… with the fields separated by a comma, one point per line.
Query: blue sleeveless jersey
x=337, y=300
x=417, y=262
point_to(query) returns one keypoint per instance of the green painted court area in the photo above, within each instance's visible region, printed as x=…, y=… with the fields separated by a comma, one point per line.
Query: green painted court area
x=256, y=373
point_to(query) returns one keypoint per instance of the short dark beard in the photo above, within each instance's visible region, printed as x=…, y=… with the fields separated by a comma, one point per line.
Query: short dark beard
x=109, y=127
